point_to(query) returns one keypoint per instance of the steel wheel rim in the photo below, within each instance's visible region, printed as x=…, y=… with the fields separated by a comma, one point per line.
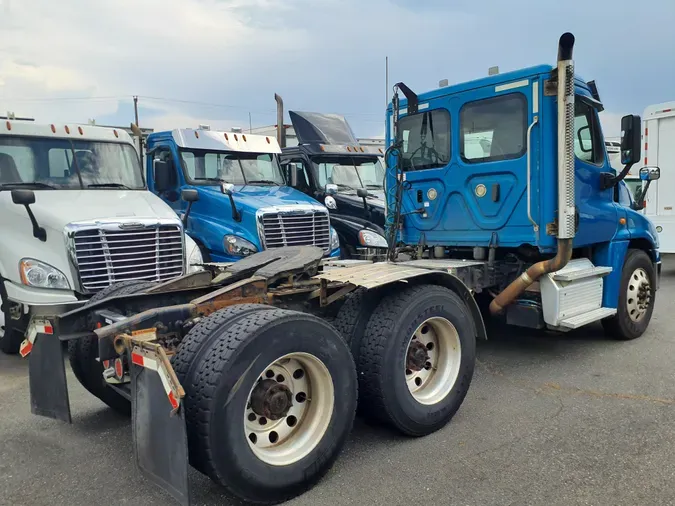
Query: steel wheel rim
x=638, y=295
x=291, y=437
x=435, y=380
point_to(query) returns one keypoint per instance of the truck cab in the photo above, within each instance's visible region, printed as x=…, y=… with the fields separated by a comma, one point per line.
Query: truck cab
x=76, y=215
x=513, y=167
x=348, y=178
x=242, y=203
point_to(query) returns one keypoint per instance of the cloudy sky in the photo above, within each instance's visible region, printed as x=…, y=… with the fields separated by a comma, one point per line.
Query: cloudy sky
x=217, y=61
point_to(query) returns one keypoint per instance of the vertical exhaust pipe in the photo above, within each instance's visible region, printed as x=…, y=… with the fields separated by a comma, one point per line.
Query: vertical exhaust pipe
x=566, y=206
x=281, y=131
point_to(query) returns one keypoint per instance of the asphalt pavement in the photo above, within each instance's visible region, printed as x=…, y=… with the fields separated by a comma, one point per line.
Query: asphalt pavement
x=549, y=420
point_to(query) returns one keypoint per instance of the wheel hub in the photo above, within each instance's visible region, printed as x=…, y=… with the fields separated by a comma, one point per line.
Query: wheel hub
x=417, y=356
x=271, y=400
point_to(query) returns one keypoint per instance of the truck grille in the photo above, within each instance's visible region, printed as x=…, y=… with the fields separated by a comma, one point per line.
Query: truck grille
x=296, y=228
x=109, y=256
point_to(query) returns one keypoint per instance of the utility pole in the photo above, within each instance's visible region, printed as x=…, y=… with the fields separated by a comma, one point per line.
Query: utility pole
x=136, y=109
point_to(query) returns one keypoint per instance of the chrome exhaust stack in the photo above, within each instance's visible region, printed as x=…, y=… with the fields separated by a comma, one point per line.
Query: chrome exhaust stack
x=566, y=206
x=281, y=130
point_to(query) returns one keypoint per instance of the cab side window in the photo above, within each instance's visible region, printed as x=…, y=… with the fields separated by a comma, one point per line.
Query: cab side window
x=588, y=145
x=426, y=140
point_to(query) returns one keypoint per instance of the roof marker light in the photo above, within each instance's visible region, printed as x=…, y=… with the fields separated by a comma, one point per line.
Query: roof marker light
x=116, y=134
x=267, y=139
x=226, y=137
x=53, y=129
x=243, y=137
x=67, y=129
x=196, y=134
x=236, y=138
x=79, y=129
x=9, y=125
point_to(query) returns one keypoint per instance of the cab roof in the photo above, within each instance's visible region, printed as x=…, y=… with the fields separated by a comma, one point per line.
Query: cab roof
x=73, y=131
x=221, y=141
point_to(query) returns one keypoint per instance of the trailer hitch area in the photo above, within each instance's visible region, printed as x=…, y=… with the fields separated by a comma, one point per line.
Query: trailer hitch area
x=158, y=417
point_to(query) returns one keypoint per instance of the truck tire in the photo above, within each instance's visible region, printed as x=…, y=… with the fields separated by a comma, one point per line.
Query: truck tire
x=10, y=339
x=637, y=294
x=353, y=317
x=83, y=353
x=417, y=359
x=190, y=354
x=274, y=400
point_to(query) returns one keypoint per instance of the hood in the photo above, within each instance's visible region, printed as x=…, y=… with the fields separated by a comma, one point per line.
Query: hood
x=318, y=128
x=252, y=198
x=350, y=207
x=54, y=209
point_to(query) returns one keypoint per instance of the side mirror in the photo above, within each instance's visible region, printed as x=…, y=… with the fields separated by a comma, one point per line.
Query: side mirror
x=650, y=173
x=293, y=170
x=23, y=197
x=161, y=174
x=331, y=189
x=631, y=139
x=362, y=192
x=189, y=195
x=228, y=189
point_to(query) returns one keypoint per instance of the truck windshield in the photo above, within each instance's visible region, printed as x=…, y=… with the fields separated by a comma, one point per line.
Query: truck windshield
x=207, y=167
x=67, y=165
x=350, y=172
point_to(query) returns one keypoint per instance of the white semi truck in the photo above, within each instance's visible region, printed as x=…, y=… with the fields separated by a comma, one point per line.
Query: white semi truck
x=75, y=217
x=659, y=150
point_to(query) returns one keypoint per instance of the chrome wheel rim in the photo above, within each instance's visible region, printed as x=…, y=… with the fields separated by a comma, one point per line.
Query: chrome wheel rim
x=638, y=295
x=289, y=409
x=433, y=360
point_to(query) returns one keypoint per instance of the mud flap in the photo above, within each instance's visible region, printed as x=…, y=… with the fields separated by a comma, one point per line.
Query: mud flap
x=47, y=376
x=159, y=432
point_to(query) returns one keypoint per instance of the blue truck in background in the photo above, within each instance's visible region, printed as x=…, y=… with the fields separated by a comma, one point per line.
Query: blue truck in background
x=232, y=194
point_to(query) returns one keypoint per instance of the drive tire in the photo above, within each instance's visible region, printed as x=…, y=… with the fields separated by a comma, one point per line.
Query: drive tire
x=220, y=399
x=190, y=354
x=353, y=317
x=83, y=352
x=637, y=269
x=384, y=394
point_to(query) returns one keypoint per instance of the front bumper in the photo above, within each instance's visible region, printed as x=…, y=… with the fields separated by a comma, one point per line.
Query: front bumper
x=40, y=302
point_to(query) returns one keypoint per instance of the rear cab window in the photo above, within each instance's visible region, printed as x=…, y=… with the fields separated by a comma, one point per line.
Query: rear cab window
x=426, y=140
x=493, y=129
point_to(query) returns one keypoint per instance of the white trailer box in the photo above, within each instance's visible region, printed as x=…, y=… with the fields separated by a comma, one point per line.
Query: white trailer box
x=659, y=143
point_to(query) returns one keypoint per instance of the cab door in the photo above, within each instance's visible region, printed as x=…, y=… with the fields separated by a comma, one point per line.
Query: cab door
x=468, y=186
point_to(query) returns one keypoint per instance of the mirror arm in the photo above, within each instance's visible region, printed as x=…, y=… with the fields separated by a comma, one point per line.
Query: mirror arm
x=38, y=232
x=236, y=215
x=187, y=213
x=608, y=180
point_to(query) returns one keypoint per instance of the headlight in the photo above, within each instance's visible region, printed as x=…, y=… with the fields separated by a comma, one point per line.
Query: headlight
x=41, y=275
x=194, y=255
x=239, y=247
x=372, y=239
x=334, y=239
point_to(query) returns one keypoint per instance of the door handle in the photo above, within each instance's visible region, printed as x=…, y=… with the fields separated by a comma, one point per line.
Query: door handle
x=529, y=170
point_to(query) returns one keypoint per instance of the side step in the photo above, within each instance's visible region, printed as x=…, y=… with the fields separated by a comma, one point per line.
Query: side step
x=577, y=274
x=582, y=319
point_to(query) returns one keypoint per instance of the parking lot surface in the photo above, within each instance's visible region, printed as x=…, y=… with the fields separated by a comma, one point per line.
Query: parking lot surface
x=549, y=419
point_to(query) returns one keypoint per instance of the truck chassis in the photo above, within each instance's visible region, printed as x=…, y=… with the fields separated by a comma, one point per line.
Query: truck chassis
x=164, y=352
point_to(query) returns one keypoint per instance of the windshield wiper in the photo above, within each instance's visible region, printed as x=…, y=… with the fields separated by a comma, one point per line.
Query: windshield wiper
x=214, y=179
x=375, y=186
x=346, y=186
x=263, y=181
x=108, y=185
x=35, y=184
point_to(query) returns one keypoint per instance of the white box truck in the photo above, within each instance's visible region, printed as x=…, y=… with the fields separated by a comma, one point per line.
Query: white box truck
x=659, y=150
x=75, y=217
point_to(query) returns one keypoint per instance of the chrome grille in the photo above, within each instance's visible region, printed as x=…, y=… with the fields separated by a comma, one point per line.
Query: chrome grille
x=296, y=228
x=105, y=256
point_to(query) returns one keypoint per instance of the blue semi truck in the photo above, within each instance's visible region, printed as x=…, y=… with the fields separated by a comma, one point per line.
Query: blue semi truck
x=500, y=202
x=238, y=201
